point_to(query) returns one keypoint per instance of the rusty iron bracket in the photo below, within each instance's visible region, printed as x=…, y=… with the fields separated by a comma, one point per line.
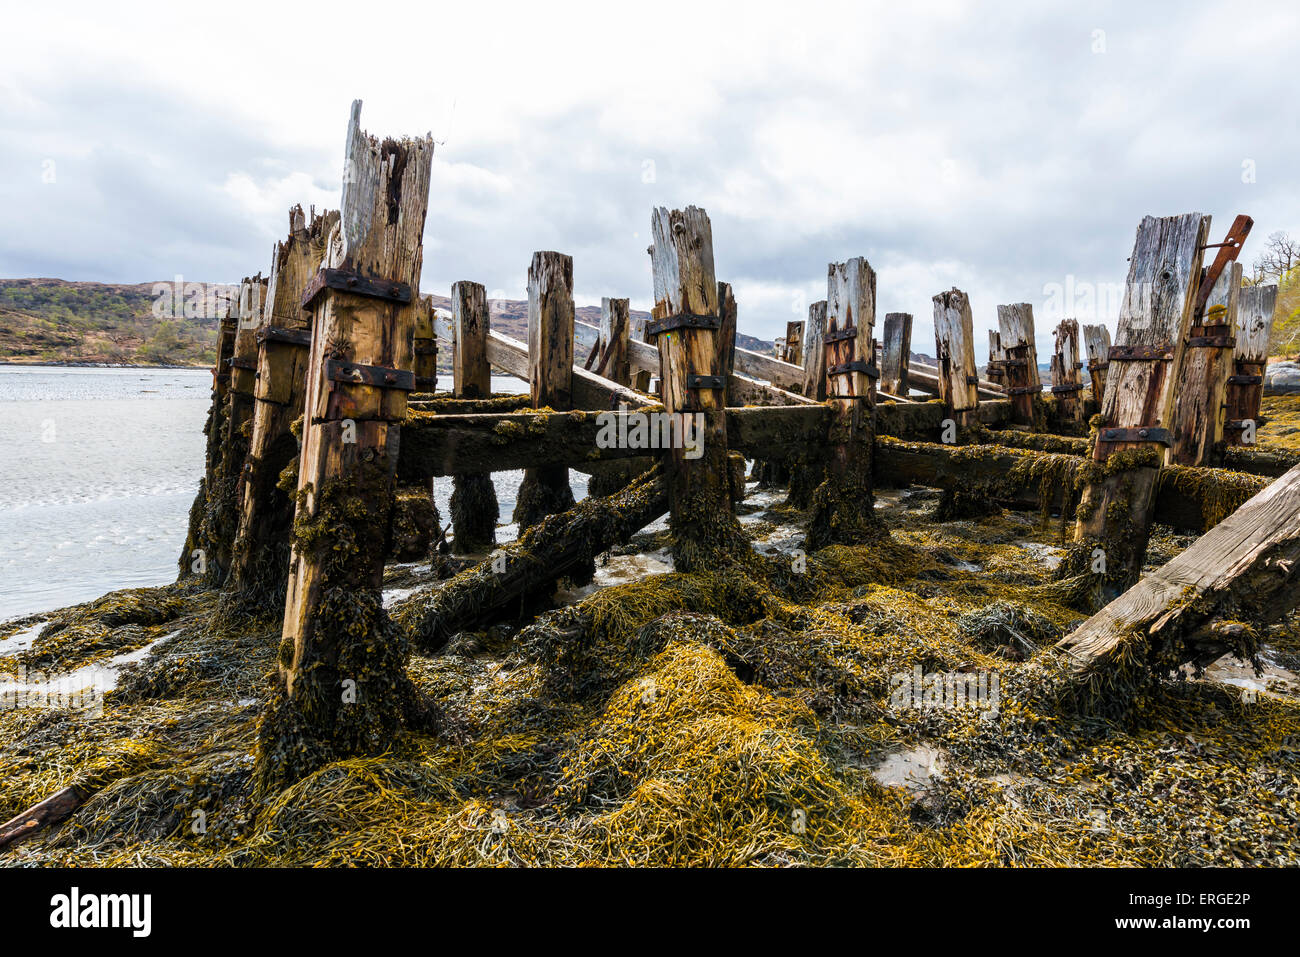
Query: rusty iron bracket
x=839, y=335
x=857, y=365
x=236, y=363
x=1161, y=352
x=1245, y=379
x=1025, y=390
x=345, y=280
x=1236, y=425
x=380, y=377
x=1228, y=252
x=972, y=380
x=424, y=347
x=293, y=337
x=1145, y=433
x=694, y=381
x=1211, y=342
x=425, y=383
x=1098, y=365
x=1068, y=387
x=685, y=320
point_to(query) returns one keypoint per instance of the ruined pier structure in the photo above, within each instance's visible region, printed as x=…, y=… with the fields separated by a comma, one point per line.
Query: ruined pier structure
x=325, y=410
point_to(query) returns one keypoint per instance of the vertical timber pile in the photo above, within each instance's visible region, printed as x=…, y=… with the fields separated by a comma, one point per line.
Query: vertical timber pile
x=1199, y=402
x=843, y=505
x=610, y=358
x=194, y=556
x=1255, y=307
x=260, y=567
x=222, y=520
x=896, y=354
x=343, y=688
x=424, y=348
x=997, y=368
x=726, y=366
x=793, y=351
x=954, y=345
x=1016, y=331
x=806, y=475
x=1067, y=372
x=1118, y=498
x=545, y=490
x=1096, y=340
x=474, y=506
x=686, y=321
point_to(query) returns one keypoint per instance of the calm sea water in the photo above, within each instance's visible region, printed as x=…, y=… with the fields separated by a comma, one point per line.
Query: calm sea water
x=98, y=468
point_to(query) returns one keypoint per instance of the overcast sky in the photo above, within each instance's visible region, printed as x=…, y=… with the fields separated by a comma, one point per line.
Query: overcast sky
x=1005, y=149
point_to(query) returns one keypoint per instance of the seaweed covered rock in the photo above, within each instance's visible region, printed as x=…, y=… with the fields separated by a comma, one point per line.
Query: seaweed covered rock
x=415, y=524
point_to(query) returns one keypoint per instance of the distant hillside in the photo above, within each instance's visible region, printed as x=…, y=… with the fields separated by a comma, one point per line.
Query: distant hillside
x=50, y=321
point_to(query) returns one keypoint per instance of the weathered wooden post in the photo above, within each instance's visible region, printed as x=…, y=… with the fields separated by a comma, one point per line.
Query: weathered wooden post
x=726, y=366
x=896, y=356
x=954, y=344
x=474, y=508
x=843, y=505
x=343, y=688
x=1096, y=339
x=1255, y=307
x=1196, y=423
x=1024, y=384
x=793, y=352
x=686, y=321
x=1115, y=509
x=814, y=352
x=1067, y=372
x=424, y=348
x=611, y=358
x=545, y=490
x=222, y=520
x=198, y=544
x=260, y=564
x=996, y=371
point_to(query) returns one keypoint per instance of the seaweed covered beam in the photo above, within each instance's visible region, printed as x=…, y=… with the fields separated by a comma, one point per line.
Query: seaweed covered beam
x=260, y=562
x=843, y=507
x=1115, y=510
x=686, y=321
x=524, y=572
x=342, y=687
x=545, y=489
x=1208, y=601
x=474, y=507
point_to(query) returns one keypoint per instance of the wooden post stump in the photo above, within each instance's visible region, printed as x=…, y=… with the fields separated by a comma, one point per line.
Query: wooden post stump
x=843, y=505
x=545, y=490
x=996, y=370
x=198, y=543
x=954, y=344
x=1067, y=372
x=1096, y=340
x=686, y=323
x=1255, y=307
x=424, y=348
x=343, y=688
x=896, y=356
x=1197, y=419
x=611, y=359
x=1115, y=509
x=260, y=566
x=1024, y=384
x=474, y=508
x=814, y=353
x=793, y=349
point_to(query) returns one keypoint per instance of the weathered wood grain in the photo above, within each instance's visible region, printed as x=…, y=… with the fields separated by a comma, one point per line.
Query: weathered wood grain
x=1197, y=416
x=896, y=355
x=954, y=344
x=1255, y=308
x=474, y=507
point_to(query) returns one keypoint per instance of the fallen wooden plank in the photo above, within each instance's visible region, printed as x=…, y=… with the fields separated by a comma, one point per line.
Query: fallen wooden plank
x=1243, y=569
x=55, y=809
x=925, y=378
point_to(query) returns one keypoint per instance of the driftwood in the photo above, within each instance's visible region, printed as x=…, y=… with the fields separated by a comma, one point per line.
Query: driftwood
x=1245, y=567
x=55, y=809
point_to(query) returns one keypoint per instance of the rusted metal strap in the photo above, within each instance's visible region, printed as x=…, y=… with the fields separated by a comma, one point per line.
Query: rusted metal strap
x=424, y=347
x=1245, y=379
x=1237, y=425
x=972, y=380
x=237, y=363
x=1098, y=365
x=380, y=377
x=857, y=365
x=424, y=383
x=1144, y=433
x=839, y=335
x=1068, y=387
x=1228, y=250
x=347, y=281
x=685, y=320
x=1211, y=342
x=1015, y=362
x=1161, y=352
x=293, y=337
x=694, y=381
x=1025, y=390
